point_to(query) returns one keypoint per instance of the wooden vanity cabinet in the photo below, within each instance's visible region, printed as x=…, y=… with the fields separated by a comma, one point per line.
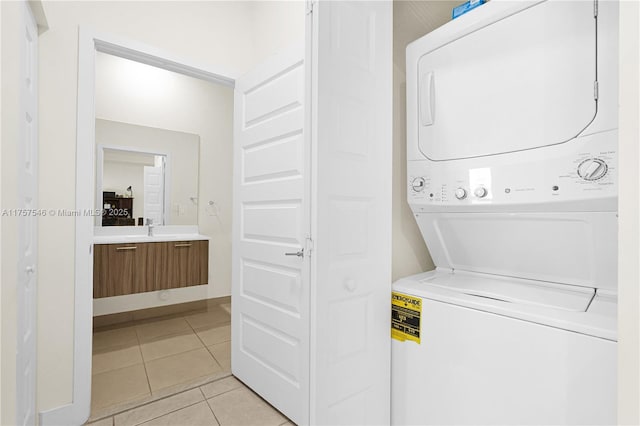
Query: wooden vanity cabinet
x=182, y=264
x=120, y=269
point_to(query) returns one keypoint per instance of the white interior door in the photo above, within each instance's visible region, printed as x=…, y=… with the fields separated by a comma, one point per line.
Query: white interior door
x=270, y=291
x=153, y=194
x=352, y=151
x=27, y=232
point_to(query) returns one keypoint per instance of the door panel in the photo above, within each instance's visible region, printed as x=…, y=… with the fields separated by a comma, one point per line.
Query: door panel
x=276, y=159
x=274, y=222
x=278, y=286
x=270, y=291
x=27, y=228
x=351, y=279
x=538, y=91
x=282, y=92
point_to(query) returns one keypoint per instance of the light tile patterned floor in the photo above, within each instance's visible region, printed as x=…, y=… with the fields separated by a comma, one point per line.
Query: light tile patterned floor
x=225, y=402
x=154, y=358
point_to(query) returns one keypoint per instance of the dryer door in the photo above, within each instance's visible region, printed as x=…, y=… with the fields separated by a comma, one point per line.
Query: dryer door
x=523, y=82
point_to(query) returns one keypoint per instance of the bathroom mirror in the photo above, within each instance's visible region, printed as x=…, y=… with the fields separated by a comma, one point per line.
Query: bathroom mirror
x=145, y=173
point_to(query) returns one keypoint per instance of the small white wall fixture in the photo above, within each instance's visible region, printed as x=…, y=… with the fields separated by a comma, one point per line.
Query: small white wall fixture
x=90, y=42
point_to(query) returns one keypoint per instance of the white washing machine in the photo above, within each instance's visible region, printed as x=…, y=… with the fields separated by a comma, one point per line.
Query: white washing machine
x=512, y=157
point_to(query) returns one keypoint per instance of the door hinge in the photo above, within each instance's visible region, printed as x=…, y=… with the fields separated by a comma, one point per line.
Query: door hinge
x=309, y=7
x=595, y=8
x=309, y=246
x=595, y=90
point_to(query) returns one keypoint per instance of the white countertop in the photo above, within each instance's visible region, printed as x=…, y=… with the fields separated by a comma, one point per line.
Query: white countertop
x=139, y=234
x=123, y=239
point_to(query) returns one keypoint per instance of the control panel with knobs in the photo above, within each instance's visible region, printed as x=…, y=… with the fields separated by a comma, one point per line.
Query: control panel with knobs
x=581, y=175
x=461, y=193
x=592, y=169
x=418, y=184
x=480, y=192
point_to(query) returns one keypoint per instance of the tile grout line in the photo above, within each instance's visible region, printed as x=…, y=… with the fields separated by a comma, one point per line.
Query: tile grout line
x=225, y=392
x=117, y=413
x=205, y=345
x=163, y=338
x=214, y=358
x=144, y=365
x=206, y=401
x=196, y=333
x=165, y=414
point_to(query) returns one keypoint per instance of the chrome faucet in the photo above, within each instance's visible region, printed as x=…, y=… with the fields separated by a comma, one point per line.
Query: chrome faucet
x=150, y=227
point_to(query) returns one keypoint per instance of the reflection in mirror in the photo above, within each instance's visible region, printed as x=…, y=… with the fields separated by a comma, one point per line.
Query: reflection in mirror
x=145, y=173
x=133, y=186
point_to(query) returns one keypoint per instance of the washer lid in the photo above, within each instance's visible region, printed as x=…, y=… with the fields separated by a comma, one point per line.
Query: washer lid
x=513, y=290
x=555, y=305
x=523, y=82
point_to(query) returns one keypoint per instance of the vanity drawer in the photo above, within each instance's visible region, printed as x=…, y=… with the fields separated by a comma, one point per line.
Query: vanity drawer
x=120, y=269
x=183, y=264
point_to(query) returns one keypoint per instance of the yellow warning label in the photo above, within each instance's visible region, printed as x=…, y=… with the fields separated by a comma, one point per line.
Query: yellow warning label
x=405, y=317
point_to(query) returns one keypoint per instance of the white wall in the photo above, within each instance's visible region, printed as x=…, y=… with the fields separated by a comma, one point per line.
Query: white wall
x=215, y=34
x=276, y=24
x=411, y=20
x=410, y=254
x=182, y=149
x=629, y=218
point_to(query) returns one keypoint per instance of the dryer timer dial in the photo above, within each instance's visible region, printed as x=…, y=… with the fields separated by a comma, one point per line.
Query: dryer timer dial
x=418, y=184
x=592, y=169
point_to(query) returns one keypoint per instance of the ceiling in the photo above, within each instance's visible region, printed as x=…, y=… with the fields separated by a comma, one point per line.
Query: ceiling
x=413, y=19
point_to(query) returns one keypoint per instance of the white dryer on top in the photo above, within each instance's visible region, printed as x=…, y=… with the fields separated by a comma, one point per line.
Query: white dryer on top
x=512, y=158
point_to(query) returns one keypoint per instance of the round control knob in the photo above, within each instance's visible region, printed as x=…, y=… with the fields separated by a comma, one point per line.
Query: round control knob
x=592, y=169
x=418, y=184
x=480, y=192
x=461, y=193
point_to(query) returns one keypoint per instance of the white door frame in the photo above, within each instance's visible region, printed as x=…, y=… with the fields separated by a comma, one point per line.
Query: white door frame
x=90, y=42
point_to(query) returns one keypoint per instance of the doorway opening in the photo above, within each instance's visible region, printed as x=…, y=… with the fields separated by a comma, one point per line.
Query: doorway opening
x=163, y=144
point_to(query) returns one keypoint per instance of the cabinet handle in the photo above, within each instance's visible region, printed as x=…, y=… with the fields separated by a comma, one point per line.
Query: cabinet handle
x=126, y=248
x=183, y=245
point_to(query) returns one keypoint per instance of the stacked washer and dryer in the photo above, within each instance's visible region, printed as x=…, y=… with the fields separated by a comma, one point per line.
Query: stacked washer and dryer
x=512, y=156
